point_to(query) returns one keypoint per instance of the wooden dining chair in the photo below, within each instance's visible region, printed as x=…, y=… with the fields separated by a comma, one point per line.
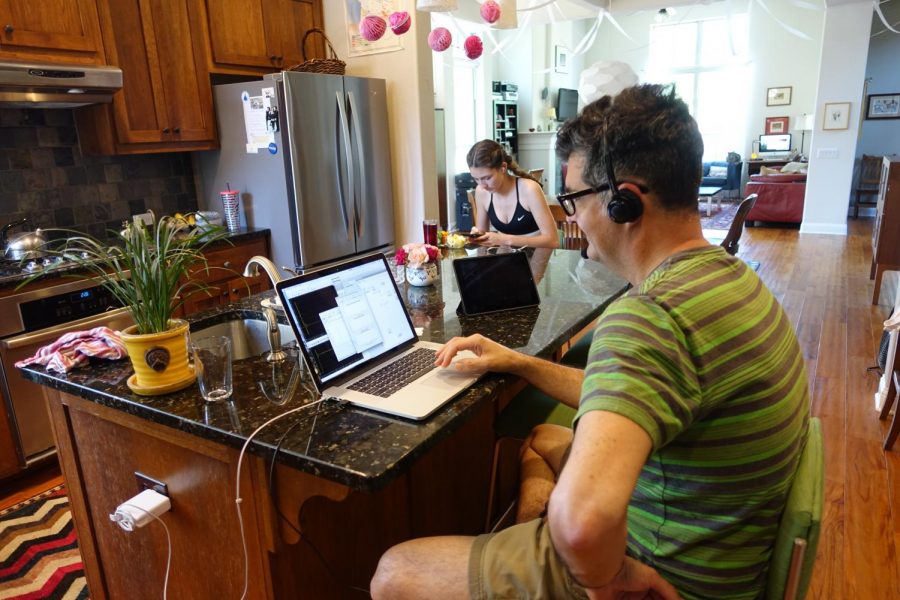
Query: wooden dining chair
x=730, y=243
x=869, y=178
x=538, y=175
x=473, y=207
x=571, y=237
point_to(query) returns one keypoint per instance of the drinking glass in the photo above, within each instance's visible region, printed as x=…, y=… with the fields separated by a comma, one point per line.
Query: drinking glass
x=430, y=229
x=212, y=365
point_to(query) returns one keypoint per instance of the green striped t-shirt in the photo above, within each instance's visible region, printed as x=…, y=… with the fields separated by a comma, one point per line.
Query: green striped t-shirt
x=702, y=356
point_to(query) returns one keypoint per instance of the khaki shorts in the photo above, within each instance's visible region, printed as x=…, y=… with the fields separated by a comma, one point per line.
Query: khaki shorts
x=520, y=562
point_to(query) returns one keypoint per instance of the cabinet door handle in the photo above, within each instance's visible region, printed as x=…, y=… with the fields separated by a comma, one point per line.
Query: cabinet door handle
x=165, y=130
x=227, y=264
x=273, y=58
x=177, y=130
x=279, y=58
x=9, y=28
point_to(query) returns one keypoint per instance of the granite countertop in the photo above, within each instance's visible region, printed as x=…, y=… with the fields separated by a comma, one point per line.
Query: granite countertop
x=352, y=446
x=239, y=235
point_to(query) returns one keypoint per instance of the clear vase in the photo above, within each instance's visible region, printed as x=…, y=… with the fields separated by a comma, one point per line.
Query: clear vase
x=425, y=274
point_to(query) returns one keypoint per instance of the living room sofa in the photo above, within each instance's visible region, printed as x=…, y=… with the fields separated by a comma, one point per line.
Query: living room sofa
x=726, y=175
x=779, y=198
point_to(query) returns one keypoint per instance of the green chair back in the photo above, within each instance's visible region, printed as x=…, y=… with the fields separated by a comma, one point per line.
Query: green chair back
x=801, y=520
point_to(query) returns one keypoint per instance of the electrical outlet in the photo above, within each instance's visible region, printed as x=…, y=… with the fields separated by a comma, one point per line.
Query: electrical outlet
x=827, y=153
x=145, y=482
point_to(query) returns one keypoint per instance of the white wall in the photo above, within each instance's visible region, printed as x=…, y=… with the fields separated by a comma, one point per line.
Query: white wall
x=882, y=136
x=408, y=73
x=844, y=49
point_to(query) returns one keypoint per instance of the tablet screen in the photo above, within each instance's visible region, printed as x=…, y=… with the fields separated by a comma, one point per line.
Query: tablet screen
x=495, y=282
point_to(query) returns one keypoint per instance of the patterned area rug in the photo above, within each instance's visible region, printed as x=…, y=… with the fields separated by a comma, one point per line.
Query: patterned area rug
x=39, y=552
x=721, y=217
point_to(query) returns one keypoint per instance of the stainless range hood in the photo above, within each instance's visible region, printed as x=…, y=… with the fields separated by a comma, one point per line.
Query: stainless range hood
x=31, y=85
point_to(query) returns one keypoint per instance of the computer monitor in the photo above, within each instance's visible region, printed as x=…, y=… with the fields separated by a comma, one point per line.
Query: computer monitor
x=566, y=104
x=775, y=144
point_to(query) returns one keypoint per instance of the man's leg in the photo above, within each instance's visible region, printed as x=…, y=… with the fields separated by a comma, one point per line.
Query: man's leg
x=543, y=456
x=435, y=567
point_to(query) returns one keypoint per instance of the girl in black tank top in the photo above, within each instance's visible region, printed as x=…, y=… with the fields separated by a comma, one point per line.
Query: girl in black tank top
x=530, y=224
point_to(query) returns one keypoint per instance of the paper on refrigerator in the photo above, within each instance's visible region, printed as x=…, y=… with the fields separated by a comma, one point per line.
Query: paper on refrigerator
x=260, y=119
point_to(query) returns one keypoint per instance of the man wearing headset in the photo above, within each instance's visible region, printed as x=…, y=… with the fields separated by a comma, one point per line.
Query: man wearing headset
x=692, y=409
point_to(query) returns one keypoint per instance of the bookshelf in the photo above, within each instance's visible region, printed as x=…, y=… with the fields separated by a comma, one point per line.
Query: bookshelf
x=506, y=125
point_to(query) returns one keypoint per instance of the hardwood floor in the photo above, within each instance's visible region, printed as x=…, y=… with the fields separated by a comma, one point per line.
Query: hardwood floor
x=822, y=282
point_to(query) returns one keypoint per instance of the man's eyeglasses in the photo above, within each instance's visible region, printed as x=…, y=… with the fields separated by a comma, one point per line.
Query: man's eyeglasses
x=567, y=201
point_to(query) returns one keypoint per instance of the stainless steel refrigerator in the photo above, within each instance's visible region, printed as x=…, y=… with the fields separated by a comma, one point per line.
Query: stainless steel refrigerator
x=310, y=155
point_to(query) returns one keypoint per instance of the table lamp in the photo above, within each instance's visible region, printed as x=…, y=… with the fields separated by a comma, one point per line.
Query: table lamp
x=550, y=113
x=803, y=123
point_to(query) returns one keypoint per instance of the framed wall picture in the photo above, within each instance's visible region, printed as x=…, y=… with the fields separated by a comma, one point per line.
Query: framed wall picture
x=883, y=106
x=778, y=96
x=561, y=64
x=837, y=115
x=776, y=125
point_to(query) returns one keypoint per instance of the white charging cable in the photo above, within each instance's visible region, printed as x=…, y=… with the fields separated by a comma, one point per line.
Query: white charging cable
x=149, y=504
x=237, y=493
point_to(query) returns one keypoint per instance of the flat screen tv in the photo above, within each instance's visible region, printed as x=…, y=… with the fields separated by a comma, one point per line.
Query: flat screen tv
x=566, y=104
x=775, y=144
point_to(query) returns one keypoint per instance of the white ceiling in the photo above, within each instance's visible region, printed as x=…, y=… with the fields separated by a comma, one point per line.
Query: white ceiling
x=570, y=10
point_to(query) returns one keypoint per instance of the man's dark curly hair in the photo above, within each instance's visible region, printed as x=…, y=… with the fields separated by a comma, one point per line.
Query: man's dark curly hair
x=652, y=137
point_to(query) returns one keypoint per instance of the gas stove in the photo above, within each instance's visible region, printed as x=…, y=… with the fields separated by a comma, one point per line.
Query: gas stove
x=10, y=267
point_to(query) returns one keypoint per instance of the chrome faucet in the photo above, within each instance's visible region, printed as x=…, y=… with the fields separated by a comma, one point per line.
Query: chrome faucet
x=252, y=270
x=276, y=354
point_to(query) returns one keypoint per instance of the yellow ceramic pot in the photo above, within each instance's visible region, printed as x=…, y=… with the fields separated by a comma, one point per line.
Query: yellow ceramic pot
x=160, y=360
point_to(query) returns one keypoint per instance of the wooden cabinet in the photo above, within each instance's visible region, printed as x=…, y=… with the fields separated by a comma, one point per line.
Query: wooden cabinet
x=62, y=31
x=166, y=100
x=886, y=231
x=264, y=35
x=223, y=276
x=506, y=126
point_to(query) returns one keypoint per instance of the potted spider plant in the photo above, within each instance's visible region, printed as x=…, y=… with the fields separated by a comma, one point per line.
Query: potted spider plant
x=157, y=258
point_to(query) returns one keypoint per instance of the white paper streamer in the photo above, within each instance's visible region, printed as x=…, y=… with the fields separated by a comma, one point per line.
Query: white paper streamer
x=881, y=16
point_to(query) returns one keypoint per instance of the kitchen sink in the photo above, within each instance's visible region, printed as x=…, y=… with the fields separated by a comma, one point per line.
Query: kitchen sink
x=248, y=336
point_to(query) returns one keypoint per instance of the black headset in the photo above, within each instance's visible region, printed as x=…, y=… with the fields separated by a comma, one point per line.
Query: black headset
x=625, y=206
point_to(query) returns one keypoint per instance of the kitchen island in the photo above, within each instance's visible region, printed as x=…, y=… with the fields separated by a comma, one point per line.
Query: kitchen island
x=325, y=490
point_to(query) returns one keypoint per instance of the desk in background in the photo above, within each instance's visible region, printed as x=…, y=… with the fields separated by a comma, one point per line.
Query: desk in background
x=755, y=166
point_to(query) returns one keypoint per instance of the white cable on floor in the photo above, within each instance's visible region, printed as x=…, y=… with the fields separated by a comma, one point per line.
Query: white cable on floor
x=237, y=493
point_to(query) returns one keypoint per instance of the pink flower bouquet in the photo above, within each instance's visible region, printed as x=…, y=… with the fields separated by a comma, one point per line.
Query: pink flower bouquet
x=416, y=255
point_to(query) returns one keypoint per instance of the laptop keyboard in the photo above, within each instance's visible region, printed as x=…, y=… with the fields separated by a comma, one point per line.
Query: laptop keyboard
x=390, y=378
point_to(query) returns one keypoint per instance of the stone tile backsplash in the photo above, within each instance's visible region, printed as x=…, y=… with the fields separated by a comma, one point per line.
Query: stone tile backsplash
x=44, y=177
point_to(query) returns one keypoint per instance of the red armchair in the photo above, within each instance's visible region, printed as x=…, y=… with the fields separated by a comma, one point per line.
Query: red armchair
x=779, y=197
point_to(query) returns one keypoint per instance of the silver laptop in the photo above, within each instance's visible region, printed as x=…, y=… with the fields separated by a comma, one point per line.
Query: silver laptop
x=359, y=342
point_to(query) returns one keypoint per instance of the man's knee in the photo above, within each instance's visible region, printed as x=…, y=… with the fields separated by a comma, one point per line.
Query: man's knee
x=550, y=443
x=390, y=577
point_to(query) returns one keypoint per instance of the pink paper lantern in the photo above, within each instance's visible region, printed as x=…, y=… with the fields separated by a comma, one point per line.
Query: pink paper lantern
x=490, y=11
x=439, y=39
x=372, y=28
x=400, y=22
x=473, y=47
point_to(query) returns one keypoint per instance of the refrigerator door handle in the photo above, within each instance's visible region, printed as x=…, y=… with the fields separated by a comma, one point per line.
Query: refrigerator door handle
x=341, y=117
x=358, y=203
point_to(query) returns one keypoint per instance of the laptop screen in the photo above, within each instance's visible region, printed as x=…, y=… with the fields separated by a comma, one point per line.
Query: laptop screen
x=346, y=316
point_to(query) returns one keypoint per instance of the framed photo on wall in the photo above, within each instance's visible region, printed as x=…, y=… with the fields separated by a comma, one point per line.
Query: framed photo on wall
x=776, y=125
x=778, y=96
x=561, y=64
x=837, y=115
x=883, y=106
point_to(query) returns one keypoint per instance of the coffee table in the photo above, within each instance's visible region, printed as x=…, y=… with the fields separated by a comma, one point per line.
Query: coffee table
x=708, y=191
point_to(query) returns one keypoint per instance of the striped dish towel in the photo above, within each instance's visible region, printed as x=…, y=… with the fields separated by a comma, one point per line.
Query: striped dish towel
x=74, y=349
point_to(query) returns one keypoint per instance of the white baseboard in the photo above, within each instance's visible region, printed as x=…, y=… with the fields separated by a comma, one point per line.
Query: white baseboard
x=826, y=228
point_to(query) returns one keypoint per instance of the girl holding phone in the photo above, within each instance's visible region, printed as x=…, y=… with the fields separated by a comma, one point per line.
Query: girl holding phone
x=511, y=209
